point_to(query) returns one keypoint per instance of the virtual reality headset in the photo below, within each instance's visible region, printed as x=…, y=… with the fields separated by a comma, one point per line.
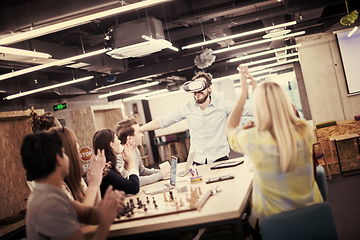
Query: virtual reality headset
x=195, y=86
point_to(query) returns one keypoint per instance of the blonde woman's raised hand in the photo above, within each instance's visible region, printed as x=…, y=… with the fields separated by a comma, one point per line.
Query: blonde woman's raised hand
x=244, y=69
x=253, y=82
x=244, y=72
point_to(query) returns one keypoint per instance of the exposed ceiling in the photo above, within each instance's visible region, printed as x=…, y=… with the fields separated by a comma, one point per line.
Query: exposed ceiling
x=182, y=22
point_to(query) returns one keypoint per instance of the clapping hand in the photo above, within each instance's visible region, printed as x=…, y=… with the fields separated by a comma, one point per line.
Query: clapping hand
x=111, y=205
x=129, y=154
x=95, y=170
x=106, y=169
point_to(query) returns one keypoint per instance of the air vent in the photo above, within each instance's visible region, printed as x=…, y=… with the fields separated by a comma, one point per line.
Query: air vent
x=277, y=33
x=129, y=41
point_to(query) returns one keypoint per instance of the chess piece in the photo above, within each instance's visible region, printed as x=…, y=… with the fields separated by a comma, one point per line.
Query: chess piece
x=153, y=200
x=145, y=209
x=171, y=196
x=199, y=190
x=165, y=199
x=181, y=203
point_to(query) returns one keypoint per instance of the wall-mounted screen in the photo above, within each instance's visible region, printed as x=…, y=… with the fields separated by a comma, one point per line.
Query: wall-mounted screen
x=350, y=52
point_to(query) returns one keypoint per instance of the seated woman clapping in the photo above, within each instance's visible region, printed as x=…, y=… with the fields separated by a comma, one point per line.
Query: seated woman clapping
x=107, y=140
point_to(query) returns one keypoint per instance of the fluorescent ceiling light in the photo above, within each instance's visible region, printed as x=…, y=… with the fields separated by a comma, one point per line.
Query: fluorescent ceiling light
x=47, y=88
x=236, y=85
x=125, y=82
x=141, y=91
x=25, y=53
x=255, y=69
x=270, y=59
x=51, y=64
x=257, y=42
x=238, y=35
x=144, y=96
x=228, y=77
x=352, y=31
x=276, y=33
x=236, y=76
x=78, y=65
x=263, y=53
x=18, y=37
x=128, y=89
x=161, y=43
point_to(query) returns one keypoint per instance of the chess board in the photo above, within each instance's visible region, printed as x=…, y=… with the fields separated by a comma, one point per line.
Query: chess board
x=162, y=204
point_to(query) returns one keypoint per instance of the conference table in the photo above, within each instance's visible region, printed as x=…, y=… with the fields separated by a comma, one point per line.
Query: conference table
x=224, y=208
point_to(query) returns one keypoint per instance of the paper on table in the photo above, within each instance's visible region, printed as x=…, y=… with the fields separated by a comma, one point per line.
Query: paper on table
x=161, y=165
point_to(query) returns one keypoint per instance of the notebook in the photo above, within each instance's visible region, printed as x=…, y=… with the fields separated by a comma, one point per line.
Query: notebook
x=167, y=186
x=189, y=163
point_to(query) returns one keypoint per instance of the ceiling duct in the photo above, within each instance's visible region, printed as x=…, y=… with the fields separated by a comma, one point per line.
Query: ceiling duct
x=128, y=40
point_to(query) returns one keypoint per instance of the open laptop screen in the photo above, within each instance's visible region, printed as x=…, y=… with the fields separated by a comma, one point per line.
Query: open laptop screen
x=173, y=170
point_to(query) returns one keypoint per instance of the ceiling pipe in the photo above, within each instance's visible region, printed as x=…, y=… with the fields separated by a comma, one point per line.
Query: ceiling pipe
x=248, y=18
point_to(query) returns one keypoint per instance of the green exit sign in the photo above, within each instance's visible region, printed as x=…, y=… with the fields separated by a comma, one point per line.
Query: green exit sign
x=60, y=106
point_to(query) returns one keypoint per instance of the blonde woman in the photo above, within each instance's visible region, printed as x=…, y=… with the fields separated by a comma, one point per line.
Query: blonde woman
x=280, y=146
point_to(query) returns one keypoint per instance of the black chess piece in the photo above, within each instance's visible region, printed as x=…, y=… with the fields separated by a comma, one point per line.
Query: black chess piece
x=153, y=200
x=171, y=195
x=145, y=209
x=147, y=200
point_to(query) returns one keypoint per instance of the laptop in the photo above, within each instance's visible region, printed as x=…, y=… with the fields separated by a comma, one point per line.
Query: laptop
x=189, y=163
x=167, y=186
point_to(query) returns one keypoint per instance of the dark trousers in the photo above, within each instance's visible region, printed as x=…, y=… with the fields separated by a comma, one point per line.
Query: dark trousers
x=217, y=160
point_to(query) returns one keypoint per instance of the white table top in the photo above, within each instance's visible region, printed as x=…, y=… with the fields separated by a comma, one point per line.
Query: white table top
x=230, y=203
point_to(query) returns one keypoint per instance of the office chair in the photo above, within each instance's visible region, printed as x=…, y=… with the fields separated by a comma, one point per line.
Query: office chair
x=320, y=179
x=318, y=150
x=160, y=142
x=314, y=222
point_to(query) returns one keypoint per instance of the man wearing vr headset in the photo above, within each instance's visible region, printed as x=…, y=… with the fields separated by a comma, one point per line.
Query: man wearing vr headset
x=206, y=116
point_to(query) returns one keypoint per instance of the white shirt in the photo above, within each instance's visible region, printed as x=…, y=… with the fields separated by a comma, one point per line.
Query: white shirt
x=207, y=127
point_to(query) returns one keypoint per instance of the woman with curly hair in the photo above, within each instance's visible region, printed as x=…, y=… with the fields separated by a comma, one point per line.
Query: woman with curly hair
x=43, y=122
